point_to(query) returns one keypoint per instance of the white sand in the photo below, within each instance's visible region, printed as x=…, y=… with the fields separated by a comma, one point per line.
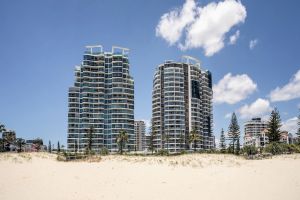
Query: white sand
x=39, y=176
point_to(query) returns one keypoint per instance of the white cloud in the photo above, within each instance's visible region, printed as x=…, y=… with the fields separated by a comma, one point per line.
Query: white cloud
x=257, y=109
x=228, y=115
x=290, y=125
x=253, y=43
x=203, y=27
x=234, y=37
x=287, y=92
x=171, y=25
x=232, y=89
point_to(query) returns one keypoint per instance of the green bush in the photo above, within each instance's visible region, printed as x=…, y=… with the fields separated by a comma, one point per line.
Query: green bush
x=249, y=150
x=281, y=148
x=104, y=151
x=293, y=148
x=162, y=152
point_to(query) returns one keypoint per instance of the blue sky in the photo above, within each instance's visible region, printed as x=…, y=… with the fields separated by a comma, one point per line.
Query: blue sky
x=42, y=41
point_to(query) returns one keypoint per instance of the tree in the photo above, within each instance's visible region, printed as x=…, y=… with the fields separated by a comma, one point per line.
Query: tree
x=181, y=141
x=234, y=130
x=49, y=147
x=274, y=124
x=166, y=138
x=152, y=138
x=38, y=142
x=222, y=142
x=76, y=147
x=194, y=137
x=238, y=148
x=2, y=128
x=20, y=144
x=90, y=135
x=122, y=138
x=58, y=147
x=2, y=143
x=298, y=133
x=8, y=139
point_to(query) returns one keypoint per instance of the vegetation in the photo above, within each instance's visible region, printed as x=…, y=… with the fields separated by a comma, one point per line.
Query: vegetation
x=104, y=151
x=76, y=147
x=249, y=150
x=2, y=129
x=274, y=125
x=20, y=144
x=194, y=138
x=89, y=145
x=165, y=139
x=152, y=138
x=276, y=148
x=122, y=138
x=298, y=132
x=38, y=142
x=58, y=147
x=222, y=142
x=1, y=145
x=49, y=147
x=162, y=152
x=234, y=132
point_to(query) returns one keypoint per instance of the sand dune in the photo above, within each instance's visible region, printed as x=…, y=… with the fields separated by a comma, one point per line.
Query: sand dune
x=39, y=176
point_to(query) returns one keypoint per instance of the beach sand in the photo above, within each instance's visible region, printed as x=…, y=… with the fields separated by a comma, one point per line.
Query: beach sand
x=39, y=176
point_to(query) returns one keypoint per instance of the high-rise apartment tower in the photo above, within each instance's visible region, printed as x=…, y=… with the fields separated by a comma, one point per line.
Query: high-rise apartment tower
x=102, y=98
x=182, y=101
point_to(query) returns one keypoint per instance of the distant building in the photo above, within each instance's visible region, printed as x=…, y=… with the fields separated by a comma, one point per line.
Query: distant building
x=30, y=146
x=139, y=130
x=262, y=139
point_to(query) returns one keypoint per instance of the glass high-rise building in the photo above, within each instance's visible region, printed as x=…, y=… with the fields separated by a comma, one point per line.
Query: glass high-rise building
x=182, y=101
x=102, y=98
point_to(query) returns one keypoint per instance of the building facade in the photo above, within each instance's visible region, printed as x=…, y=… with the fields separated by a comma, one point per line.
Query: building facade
x=182, y=101
x=102, y=98
x=140, y=131
x=255, y=132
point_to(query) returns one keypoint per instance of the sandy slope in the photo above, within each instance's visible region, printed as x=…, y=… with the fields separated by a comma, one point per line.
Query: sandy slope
x=40, y=176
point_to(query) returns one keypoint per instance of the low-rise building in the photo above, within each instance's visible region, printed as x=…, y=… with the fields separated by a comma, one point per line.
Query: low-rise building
x=262, y=139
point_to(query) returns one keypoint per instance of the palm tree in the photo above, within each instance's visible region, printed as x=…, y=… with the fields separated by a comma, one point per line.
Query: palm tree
x=2, y=128
x=76, y=147
x=151, y=139
x=122, y=138
x=8, y=139
x=2, y=143
x=194, y=137
x=90, y=133
x=20, y=142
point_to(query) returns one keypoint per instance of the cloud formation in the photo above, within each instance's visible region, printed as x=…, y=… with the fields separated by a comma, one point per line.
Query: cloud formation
x=234, y=37
x=290, y=125
x=287, y=92
x=232, y=89
x=257, y=109
x=171, y=25
x=202, y=27
x=253, y=43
